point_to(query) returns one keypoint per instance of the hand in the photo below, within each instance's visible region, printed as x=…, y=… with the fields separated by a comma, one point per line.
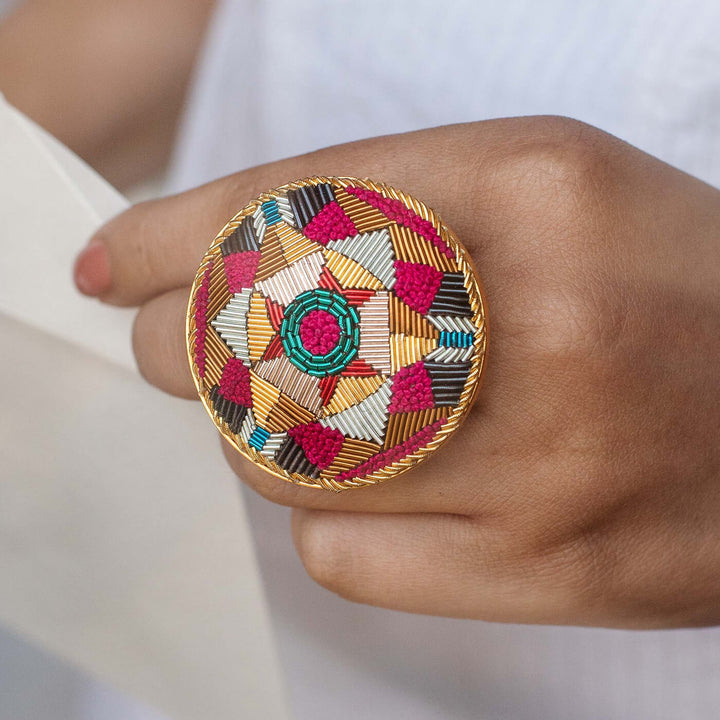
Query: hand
x=585, y=486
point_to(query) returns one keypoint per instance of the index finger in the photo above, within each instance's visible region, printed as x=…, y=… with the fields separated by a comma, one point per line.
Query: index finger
x=157, y=246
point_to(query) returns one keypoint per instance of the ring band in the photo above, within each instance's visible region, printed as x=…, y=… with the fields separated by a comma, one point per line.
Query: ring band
x=336, y=332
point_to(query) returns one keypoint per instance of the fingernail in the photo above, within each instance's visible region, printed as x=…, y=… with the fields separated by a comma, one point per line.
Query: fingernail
x=92, y=270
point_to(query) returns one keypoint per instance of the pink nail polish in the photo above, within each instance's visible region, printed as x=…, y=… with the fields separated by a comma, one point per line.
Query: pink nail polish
x=92, y=270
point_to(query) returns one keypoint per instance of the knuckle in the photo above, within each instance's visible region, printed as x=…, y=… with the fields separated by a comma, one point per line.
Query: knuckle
x=571, y=148
x=147, y=257
x=559, y=179
x=317, y=545
x=569, y=562
x=263, y=483
x=583, y=321
x=563, y=167
x=136, y=262
x=139, y=338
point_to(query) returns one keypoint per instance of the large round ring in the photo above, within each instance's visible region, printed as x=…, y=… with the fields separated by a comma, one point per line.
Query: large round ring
x=336, y=332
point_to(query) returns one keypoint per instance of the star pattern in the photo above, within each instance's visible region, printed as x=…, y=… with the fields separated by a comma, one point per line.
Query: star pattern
x=345, y=334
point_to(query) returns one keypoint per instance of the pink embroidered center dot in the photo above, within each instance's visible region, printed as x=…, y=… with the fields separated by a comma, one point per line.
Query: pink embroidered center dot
x=319, y=332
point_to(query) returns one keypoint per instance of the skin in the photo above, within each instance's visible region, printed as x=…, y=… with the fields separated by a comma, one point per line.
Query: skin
x=107, y=77
x=584, y=486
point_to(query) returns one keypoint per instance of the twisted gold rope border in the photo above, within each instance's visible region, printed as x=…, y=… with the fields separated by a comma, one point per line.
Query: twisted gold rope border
x=472, y=384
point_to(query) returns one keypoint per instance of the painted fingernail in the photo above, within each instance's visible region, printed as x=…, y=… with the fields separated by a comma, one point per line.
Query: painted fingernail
x=92, y=270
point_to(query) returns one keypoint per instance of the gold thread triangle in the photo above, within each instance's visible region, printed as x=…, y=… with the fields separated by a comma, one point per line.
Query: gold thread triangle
x=352, y=390
x=259, y=329
x=217, y=353
x=271, y=258
x=407, y=349
x=264, y=397
x=286, y=413
x=349, y=273
x=218, y=292
x=405, y=320
x=352, y=453
x=365, y=217
x=403, y=425
x=411, y=247
x=294, y=244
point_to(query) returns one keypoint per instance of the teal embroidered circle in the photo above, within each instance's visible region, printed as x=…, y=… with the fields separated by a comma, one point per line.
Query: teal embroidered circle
x=341, y=355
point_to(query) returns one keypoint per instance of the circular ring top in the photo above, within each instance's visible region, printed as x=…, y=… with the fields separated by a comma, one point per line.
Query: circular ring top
x=336, y=332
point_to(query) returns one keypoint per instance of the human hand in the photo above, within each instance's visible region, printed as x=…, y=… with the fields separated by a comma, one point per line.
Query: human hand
x=584, y=487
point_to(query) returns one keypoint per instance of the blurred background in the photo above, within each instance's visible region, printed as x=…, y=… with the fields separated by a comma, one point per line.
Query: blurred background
x=37, y=686
x=107, y=78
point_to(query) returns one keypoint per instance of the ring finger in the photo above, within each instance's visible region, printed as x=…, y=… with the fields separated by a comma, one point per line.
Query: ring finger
x=439, y=484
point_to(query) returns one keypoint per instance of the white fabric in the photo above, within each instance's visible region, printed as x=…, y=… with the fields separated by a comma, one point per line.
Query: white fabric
x=283, y=77
x=124, y=547
x=51, y=202
x=36, y=685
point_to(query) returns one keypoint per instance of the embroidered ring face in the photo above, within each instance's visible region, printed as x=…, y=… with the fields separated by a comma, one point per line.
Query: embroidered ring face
x=320, y=332
x=336, y=332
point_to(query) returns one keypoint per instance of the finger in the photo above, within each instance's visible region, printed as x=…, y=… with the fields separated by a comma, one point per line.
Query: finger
x=438, y=484
x=447, y=481
x=152, y=247
x=433, y=564
x=428, y=487
x=159, y=344
x=158, y=340
x=157, y=246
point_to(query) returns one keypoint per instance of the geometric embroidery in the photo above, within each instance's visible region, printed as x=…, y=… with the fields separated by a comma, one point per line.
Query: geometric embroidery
x=349, y=273
x=374, y=346
x=336, y=332
x=231, y=324
x=408, y=349
x=366, y=420
x=320, y=332
x=306, y=202
x=373, y=251
x=447, y=354
x=411, y=389
x=349, y=391
x=403, y=425
x=261, y=329
x=417, y=284
x=451, y=296
x=299, y=386
x=452, y=323
x=447, y=380
x=285, y=285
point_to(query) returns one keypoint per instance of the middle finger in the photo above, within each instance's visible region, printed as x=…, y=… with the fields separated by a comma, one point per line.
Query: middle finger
x=439, y=484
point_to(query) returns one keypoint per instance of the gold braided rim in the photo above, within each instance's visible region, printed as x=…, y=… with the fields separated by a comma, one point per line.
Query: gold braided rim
x=474, y=378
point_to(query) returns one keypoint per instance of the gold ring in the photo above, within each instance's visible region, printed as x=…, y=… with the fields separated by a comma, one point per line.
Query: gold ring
x=336, y=332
